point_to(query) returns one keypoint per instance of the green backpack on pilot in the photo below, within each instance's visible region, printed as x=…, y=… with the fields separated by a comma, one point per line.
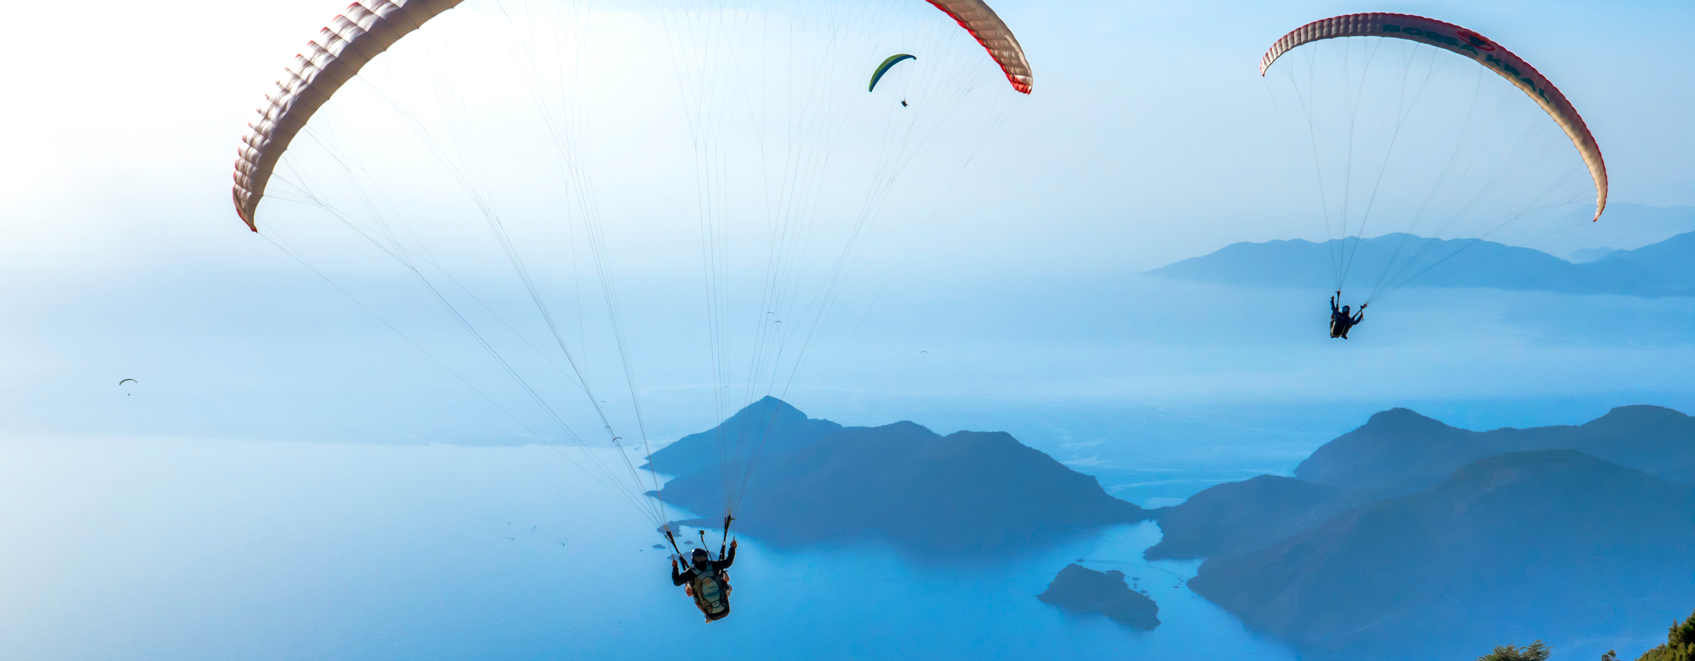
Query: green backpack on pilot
x=711, y=591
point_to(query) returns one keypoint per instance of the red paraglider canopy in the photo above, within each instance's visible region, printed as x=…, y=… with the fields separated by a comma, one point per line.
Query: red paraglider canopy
x=1456, y=39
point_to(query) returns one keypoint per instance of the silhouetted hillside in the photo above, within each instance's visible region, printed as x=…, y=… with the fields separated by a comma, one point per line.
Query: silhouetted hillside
x=1241, y=516
x=1082, y=590
x=1670, y=257
x=1523, y=545
x=1464, y=263
x=1652, y=439
x=769, y=423
x=966, y=492
x=1398, y=451
x=1589, y=254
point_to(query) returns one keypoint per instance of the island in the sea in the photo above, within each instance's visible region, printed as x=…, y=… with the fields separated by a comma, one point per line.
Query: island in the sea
x=963, y=493
x=1407, y=538
x=1081, y=590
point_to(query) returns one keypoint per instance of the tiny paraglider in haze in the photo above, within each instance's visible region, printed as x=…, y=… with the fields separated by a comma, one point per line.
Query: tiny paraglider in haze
x=121, y=383
x=884, y=68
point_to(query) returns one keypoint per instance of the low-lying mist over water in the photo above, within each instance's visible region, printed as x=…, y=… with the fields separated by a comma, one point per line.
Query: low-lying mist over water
x=1109, y=356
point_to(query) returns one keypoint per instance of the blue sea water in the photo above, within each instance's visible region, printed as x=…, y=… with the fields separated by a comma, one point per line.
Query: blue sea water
x=181, y=549
x=133, y=546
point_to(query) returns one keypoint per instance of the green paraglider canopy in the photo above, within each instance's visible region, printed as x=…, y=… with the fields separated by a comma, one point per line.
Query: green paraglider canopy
x=884, y=68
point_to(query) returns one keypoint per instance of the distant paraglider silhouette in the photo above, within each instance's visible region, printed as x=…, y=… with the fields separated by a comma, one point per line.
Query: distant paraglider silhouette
x=884, y=68
x=121, y=383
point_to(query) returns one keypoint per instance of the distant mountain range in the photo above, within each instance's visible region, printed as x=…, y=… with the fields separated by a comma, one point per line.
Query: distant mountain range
x=1624, y=226
x=1399, y=452
x=816, y=481
x=1589, y=254
x=1408, y=538
x=1671, y=257
x=1394, y=260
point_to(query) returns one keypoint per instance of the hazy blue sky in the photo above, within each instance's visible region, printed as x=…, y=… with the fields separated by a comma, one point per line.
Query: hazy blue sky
x=1144, y=142
x=1144, y=135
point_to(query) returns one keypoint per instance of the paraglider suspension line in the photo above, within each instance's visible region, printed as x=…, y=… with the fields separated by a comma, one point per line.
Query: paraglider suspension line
x=673, y=541
x=722, y=541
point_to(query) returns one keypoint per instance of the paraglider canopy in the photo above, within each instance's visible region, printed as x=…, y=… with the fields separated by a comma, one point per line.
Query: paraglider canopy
x=1424, y=164
x=369, y=27
x=1470, y=44
x=884, y=68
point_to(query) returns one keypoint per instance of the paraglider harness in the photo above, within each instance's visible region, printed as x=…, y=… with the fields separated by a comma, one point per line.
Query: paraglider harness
x=711, y=588
x=712, y=593
x=1342, y=322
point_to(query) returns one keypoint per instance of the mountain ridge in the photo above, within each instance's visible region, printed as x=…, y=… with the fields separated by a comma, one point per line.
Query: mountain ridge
x=964, y=493
x=1394, y=260
x=1522, y=544
x=1400, y=452
x=760, y=423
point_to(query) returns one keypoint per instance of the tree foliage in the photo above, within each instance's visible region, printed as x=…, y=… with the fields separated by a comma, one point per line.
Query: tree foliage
x=1680, y=644
x=1537, y=651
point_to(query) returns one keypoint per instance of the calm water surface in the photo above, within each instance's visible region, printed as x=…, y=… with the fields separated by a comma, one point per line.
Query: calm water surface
x=197, y=549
